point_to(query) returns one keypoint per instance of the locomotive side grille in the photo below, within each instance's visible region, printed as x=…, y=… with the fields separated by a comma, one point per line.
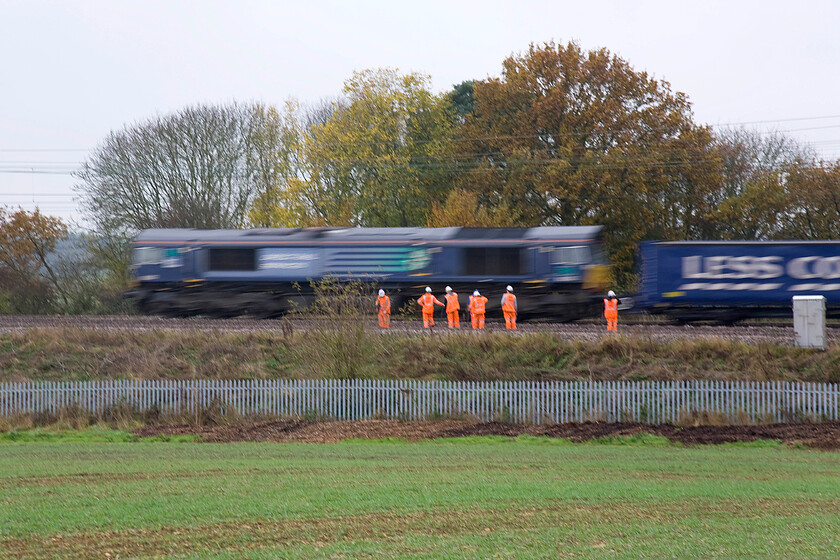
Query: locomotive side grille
x=224, y=259
x=493, y=261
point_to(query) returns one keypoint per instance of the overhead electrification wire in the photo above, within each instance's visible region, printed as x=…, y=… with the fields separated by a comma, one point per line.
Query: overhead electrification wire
x=546, y=135
x=44, y=149
x=790, y=119
x=490, y=161
x=826, y=117
x=39, y=195
x=34, y=172
x=455, y=161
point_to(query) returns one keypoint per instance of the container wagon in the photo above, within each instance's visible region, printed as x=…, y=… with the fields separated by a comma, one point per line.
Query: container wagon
x=727, y=281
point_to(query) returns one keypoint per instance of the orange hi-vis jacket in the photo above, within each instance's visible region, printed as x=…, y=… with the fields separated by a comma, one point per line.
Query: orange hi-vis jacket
x=610, y=307
x=452, y=302
x=428, y=301
x=478, y=304
x=509, y=303
x=383, y=304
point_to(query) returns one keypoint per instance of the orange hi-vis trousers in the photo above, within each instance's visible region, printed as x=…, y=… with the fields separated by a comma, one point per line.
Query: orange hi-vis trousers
x=478, y=320
x=383, y=308
x=509, y=310
x=477, y=308
x=454, y=321
x=611, y=314
x=510, y=320
x=612, y=320
x=452, y=309
x=427, y=302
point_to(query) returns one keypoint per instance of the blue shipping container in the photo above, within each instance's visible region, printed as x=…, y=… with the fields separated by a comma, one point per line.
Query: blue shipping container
x=737, y=273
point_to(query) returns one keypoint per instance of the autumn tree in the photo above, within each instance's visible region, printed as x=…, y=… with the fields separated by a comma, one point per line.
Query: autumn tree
x=567, y=137
x=814, y=194
x=752, y=198
x=462, y=99
x=198, y=168
x=302, y=195
x=28, y=279
x=462, y=209
x=377, y=160
x=284, y=166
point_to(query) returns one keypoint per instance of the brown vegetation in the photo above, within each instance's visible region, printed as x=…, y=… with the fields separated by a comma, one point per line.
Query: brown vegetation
x=824, y=435
x=54, y=354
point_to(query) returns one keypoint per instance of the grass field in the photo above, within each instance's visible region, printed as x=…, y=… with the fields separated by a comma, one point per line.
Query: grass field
x=471, y=498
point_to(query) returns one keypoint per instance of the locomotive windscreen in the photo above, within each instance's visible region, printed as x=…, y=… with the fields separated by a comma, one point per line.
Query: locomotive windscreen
x=232, y=259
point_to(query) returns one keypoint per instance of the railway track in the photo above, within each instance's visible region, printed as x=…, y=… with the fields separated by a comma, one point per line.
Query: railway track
x=752, y=333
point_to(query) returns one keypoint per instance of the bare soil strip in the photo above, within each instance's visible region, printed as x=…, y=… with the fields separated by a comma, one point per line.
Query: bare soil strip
x=821, y=436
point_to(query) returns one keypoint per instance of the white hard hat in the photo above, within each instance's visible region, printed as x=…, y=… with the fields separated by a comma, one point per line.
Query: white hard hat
x=611, y=294
x=475, y=293
x=428, y=289
x=510, y=288
x=448, y=289
x=381, y=293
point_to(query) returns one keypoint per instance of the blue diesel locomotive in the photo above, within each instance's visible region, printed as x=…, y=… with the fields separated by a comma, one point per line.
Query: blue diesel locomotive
x=558, y=272
x=727, y=281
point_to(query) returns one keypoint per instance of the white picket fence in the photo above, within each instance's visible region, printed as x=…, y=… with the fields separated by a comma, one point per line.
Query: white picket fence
x=519, y=402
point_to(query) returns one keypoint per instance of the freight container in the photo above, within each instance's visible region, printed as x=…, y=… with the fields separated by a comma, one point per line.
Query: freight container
x=732, y=280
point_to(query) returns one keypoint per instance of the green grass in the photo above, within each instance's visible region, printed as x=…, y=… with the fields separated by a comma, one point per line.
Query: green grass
x=473, y=498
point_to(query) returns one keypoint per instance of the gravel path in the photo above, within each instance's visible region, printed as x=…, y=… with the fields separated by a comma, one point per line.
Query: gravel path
x=750, y=334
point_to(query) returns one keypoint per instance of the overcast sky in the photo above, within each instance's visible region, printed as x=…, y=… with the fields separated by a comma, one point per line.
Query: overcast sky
x=72, y=71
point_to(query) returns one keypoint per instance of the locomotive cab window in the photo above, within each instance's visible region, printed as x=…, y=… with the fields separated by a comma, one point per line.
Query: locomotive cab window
x=145, y=255
x=579, y=254
x=232, y=259
x=493, y=261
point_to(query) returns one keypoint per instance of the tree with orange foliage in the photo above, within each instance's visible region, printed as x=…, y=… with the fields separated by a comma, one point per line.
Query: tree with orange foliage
x=814, y=191
x=26, y=241
x=568, y=137
x=463, y=208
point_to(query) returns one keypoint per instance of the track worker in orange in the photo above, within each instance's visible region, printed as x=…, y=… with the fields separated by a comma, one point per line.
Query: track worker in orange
x=453, y=307
x=611, y=311
x=509, y=308
x=383, y=309
x=427, y=301
x=478, y=306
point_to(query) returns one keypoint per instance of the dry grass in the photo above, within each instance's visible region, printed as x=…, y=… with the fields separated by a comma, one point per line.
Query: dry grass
x=126, y=418
x=350, y=351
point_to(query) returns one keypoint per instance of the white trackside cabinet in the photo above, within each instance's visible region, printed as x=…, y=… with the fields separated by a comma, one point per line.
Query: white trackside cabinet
x=809, y=321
